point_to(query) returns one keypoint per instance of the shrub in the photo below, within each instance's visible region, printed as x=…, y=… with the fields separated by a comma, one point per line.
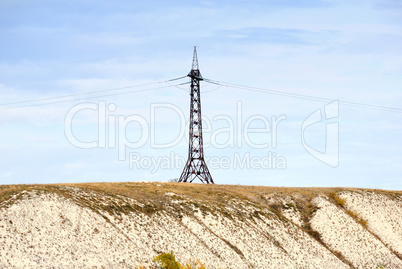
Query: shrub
x=338, y=200
x=167, y=261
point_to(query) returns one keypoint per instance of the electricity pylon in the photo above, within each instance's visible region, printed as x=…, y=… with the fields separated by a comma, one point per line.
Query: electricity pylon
x=195, y=166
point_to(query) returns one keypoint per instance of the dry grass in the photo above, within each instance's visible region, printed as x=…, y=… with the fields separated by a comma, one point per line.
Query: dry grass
x=337, y=200
x=357, y=218
x=153, y=193
x=226, y=200
x=212, y=199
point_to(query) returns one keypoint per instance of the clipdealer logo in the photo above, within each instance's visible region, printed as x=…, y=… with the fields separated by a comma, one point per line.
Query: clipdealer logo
x=327, y=116
x=237, y=161
x=112, y=133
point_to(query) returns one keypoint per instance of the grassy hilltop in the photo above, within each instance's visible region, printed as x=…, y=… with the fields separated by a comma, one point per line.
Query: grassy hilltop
x=125, y=225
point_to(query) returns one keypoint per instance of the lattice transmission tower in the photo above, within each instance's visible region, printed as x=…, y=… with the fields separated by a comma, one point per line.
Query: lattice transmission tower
x=195, y=166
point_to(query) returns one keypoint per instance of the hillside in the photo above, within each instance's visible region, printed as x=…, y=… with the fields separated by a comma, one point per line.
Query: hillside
x=124, y=225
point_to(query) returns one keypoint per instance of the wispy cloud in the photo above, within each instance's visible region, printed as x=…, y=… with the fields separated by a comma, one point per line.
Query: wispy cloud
x=389, y=4
x=280, y=36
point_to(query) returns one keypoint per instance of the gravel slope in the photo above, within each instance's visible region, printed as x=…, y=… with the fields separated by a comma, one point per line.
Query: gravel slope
x=61, y=226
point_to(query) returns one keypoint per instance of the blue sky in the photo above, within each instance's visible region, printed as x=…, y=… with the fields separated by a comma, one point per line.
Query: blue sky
x=336, y=50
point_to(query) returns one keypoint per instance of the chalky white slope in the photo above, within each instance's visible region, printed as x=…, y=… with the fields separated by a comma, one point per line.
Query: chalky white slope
x=341, y=232
x=80, y=228
x=383, y=214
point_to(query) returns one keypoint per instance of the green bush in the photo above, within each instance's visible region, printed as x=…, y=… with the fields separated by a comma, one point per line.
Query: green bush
x=167, y=261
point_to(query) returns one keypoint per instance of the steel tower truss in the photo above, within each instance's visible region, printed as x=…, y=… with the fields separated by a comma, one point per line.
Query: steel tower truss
x=195, y=168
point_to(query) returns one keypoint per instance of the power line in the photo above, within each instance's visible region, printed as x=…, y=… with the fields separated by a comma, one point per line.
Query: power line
x=86, y=93
x=220, y=84
x=177, y=85
x=302, y=96
x=86, y=98
x=214, y=89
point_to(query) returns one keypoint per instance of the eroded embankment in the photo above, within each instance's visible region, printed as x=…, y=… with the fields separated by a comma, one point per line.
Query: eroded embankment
x=123, y=225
